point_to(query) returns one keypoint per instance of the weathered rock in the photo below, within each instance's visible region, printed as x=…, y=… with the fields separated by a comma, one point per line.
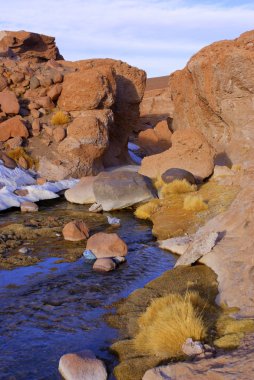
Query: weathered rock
x=214, y=93
x=192, y=348
x=190, y=151
x=34, y=83
x=82, y=366
x=96, y=207
x=75, y=231
x=28, y=45
x=13, y=127
x=59, y=134
x=222, y=171
x=177, y=245
x=104, y=265
x=45, y=102
x=21, y=192
x=82, y=192
x=23, y=162
x=41, y=181
x=199, y=247
x=8, y=162
x=29, y=207
x=171, y=175
x=106, y=245
x=9, y=102
x=120, y=189
x=87, y=90
x=55, y=92
x=237, y=364
x=3, y=83
x=156, y=140
x=14, y=142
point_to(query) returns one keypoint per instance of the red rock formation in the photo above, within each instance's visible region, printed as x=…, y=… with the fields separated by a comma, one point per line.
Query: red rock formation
x=27, y=45
x=214, y=93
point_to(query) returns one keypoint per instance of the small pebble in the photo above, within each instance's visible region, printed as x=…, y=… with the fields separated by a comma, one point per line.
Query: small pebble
x=23, y=250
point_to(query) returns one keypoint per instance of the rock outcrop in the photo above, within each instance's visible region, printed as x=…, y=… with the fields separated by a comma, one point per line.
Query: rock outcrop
x=214, y=93
x=27, y=45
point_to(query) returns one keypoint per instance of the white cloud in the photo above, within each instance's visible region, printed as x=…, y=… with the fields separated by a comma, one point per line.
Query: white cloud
x=159, y=36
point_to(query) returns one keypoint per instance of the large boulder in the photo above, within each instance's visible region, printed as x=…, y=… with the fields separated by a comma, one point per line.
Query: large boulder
x=27, y=45
x=82, y=192
x=214, y=93
x=190, y=151
x=13, y=127
x=121, y=188
x=9, y=102
x=88, y=89
x=82, y=366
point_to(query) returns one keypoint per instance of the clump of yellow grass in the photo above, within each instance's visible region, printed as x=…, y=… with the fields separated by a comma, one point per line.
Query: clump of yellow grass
x=194, y=203
x=19, y=152
x=146, y=210
x=168, y=322
x=59, y=118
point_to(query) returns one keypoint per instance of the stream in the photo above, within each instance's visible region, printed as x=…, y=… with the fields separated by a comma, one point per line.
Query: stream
x=51, y=308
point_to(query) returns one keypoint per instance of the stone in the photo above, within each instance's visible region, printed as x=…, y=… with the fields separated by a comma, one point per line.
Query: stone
x=119, y=260
x=214, y=94
x=14, y=142
x=86, y=90
x=34, y=83
x=119, y=189
x=41, y=181
x=35, y=113
x=75, y=231
x=45, y=102
x=17, y=77
x=96, y=207
x=190, y=151
x=21, y=192
x=36, y=125
x=82, y=192
x=113, y=221
x=59, y=134
x=29, y=207
x=192, y=348
x=3, y=83
x=23, y=250
x=56, y=76
x=222, y=171
x=23, y=162
x=54, y=92
x=8, y=162
x=177, y=245
x=13, y=127
x=155, y=140
x=105, y=245
x=104, y=265
x=172, y=174
x=27, y=45
x=82, y=366
x=199, y=247
x=9, y=102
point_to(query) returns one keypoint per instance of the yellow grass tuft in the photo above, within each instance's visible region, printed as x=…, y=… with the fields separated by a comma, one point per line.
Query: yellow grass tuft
x=168, y=322
x=194, y=203
x=158, y=183
x=146, y=210
x=178, y=186
x=19, y=152
x=60, y=118
x=229, y=341
x=227, y=325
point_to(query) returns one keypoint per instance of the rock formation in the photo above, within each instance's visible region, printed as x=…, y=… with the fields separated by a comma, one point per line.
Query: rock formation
x=97, y=103
x=214, y=93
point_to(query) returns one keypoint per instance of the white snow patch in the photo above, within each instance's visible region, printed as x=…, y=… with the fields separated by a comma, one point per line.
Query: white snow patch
x=20, y=179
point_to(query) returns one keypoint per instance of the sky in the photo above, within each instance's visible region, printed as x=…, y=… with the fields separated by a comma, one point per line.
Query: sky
x=158, y=36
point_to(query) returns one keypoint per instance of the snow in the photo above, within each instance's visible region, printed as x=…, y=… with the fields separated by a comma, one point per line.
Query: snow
x=21, y=179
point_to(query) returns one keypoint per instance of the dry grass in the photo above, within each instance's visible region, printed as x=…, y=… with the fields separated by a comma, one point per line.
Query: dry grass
x=60, y=118
x=158, y=183
x=168, y=322
x=19, y=152
x=146, y=210
x=178, y=186
x=194, y=203
x=227, y=325
x=229, y=341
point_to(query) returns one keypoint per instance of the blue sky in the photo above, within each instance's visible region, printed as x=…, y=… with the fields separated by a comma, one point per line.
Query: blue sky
x=157, y=35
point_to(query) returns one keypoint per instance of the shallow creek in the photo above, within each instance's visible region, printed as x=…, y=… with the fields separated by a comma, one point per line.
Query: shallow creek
x=52, y=308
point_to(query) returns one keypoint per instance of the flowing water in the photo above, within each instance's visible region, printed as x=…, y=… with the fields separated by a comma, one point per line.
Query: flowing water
x=51, y=308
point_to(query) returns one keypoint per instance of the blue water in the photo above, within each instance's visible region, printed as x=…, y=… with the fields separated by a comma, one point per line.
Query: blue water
x=46, y=313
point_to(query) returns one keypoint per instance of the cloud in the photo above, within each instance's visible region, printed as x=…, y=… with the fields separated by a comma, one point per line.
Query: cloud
x=159, y=36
